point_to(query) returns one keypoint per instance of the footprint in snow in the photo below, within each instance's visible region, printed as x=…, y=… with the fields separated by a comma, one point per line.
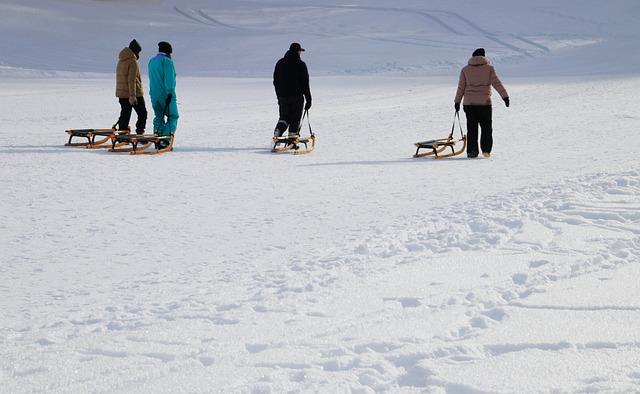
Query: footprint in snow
x=256, y=347
x=497, y=314
x=519, y=278
x=206, y=361
x=538, y=263
x=406, y=302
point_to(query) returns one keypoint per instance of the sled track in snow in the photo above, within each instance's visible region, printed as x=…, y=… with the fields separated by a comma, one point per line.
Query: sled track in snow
x=420, y=43
x=432, y=16
x=493, y=37
x=535, y=44
x=215, y=21
x=208, y=20
x=202, y=17
x=189, y=16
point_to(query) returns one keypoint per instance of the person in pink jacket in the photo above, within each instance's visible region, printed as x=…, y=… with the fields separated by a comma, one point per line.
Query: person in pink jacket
x=476, y=80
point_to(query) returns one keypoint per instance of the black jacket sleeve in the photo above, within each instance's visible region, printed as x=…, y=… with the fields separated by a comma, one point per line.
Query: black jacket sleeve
x=305, y=82
x=277, y=79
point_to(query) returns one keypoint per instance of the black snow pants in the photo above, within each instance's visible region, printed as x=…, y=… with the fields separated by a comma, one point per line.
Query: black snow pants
x=290, y=114
x=478, y=115
x=125, y=114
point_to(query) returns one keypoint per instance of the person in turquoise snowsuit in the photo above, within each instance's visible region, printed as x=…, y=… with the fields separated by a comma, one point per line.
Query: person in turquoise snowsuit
x=162, y=78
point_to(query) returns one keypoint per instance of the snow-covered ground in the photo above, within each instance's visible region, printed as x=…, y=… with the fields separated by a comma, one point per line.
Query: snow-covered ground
x=221, y=267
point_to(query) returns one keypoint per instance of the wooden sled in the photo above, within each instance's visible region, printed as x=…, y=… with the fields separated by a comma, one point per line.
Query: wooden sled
x=139, y=144
x=292, y=144
x=91, y=134
x=440, y=145
x=438, y=148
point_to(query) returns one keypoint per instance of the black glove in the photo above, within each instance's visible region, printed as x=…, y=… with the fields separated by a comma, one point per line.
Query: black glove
x=456, y=106
x=506, y=101
x=168, y=100
x=307, y=105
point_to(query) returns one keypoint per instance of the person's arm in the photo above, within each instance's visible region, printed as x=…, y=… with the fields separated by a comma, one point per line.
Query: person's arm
x=305, y=85
x=132, y=73
x=276, y=79
x=497, y=84
x=169, y=77
x=462, y=85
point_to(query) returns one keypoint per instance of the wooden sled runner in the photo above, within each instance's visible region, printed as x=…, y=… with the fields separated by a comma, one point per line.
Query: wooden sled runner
x=439, y=148
x=90, y=134
x=139, y=144
x=292, y=144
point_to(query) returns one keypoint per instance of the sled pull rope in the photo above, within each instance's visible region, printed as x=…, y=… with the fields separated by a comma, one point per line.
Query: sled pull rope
x=305, y=115
x=453, y=126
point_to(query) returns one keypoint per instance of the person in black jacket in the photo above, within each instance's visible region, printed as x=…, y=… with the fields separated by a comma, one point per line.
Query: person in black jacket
x=291, y=80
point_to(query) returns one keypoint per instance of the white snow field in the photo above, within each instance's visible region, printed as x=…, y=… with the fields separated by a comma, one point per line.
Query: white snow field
x=221, y=267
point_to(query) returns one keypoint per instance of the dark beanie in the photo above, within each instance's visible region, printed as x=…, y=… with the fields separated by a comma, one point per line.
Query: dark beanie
x=135, y=47
x=165, y=47
x=478, y=52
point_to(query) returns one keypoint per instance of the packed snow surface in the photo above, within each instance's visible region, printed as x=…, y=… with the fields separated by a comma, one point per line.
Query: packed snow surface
x=221, y=267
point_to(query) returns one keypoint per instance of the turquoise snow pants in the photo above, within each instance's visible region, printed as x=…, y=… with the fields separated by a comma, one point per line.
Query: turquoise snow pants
x=165, y=120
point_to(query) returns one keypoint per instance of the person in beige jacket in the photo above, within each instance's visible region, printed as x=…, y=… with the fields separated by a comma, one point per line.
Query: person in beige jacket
x=129, y=88
x=476, y=80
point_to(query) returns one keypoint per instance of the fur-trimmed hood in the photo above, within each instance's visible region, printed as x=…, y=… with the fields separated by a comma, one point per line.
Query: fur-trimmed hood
x=478, y=61
x=127, y=53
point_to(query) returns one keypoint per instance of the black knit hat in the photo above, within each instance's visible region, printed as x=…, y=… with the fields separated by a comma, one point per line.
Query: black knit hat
x=135, y=47
x=165, y=47
x=478, y=52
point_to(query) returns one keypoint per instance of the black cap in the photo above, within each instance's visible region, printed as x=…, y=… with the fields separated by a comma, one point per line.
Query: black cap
x=296, y=47
x=165, y=47
x=135, y=47
x=478, y=52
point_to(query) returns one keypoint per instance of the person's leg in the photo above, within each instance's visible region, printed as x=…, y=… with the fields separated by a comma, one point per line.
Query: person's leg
x=172, y=118
x=472, y=130
x=296, y=108
x=485, y=119
x=283, y=120
x=171, y=123
x=125, y=114
x=141, y=111
x=158, y=118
